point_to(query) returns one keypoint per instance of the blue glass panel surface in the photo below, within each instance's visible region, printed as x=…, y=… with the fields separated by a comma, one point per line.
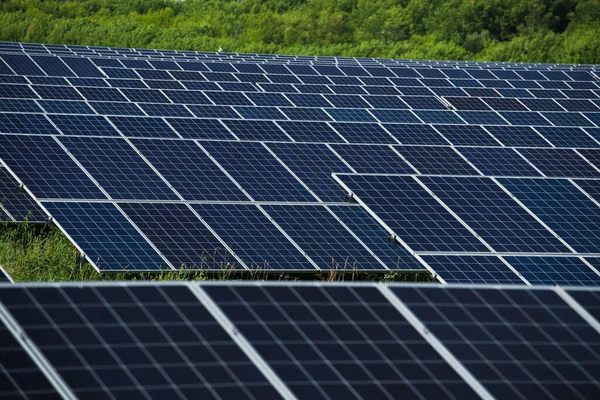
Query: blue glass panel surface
x=472, y=269
x=563, y=271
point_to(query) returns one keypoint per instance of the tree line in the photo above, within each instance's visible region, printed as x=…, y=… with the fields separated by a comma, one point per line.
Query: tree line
x=502, y=30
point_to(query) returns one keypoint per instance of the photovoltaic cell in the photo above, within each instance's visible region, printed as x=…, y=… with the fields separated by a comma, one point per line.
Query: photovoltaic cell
x=313, y=164
x=88, y=125
x=563, y=208
x=143, y=127
x=467, y=135
x=372, y=159
x=563, y=271
x=26, y=123
x=256, y=130
x=253, y=237
x=415, y=134
x=436, y=160
x=493, y=214
x=338, y=342
x=118, y=168
x=374, y=235
x=106, y=237
x=258, y=171
x=135, y=342
x=498, y=161
x=363, y=133
x=523, y=136
x=17, y=202
x=193, y=128
x=412, y=213
x=180, y=236
x=45, y=168
x=472, y=269
x=517, y=343
x=191, y=172
x=560, y=163
x=322, y=237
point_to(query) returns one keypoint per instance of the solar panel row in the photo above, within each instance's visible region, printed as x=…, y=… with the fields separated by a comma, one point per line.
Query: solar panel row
x=263, y=341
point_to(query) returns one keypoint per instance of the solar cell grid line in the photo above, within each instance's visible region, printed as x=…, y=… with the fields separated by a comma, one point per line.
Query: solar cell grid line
x=261, y=113
x=305, y=114
x=374, y=235
x=59, y=107
x=463, y=269
x=196, y=128
x=578, y=105
x=563, y=271
x=567, y=119
x=210, y=111
x=483, y=117
x=53, y=66
x=88, y=125
x=256, y=130
x=118, y=168
x=555, y=162
x=594, y=117
x=563, y=207
x=116, y=108
x=518, y=136
x=17, y=202
x=542, y=104
x=57, y=92
x=46, y=169
x=467, y=135
x=319, y=341
x=152, y=127
x=350, y=115
x=22, y=64
x=26, y=123
x=302, y=131
x=102, y=94
x=587, y=302
x=323, y=237
x=591, y=155
x=165, y=110
x=252, y=236
x=590, y=188
x=567, y=137
x=411, y=213
x=17, y=92
x=372, y=159
x=258, y=171
x=22, y=378
x=419, y=134
x=499, y=161
x=82, y=67
x=439, y=117
x=436, y=160
x=194, y=97
x=363, y=133
x=499, y=335
x=189, y=170
x=494, y=215
x=346, y=101
x=109, y=241
x=527, y=118
x=386, y=102
x=313, y=164
x=467, y=103
x=424, y=103
x=159, y=340
x=180, y=236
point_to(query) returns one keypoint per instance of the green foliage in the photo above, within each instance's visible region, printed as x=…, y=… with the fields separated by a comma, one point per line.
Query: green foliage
x=504, y=30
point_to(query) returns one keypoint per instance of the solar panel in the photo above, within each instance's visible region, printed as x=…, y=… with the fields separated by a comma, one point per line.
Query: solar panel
x=412, y=213
x=498, y=161
x=564, y=271
x=140, y=341
x=15, y=204
x=472, y=269
x=513, y=341
x=252, y=236
x=493, y=215
x=563, y=208
x=436, y=160
x=559, y=163
x=338, y=342
x=372, y=159
x=257, y=171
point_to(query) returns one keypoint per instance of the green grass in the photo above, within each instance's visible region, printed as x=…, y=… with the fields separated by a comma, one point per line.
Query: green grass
x=39, y=252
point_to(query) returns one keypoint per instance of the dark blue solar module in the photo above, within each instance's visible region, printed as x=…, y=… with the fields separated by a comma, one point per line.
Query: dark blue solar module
x=498, y=161
x=567, y=137
x=143, y=127
x=314, y=164
x=467, y=135
x=591, y=187
x=322, y=237
x=130, y=342
x=374, y=235
x=436, y=160
x=180, y=236
x=472, y=269
x=106, y=237
x=46, y=169
x=589, y=300
x=563, y=271
x=258, y=171
x=21, y=377
x=250, y=234
x=363, y=133
x=560, y=163
x=560, y=205
x=493, y=215
x=415, y=134
x=338, y=342
x=189, y=170
x=15, y=204
x=372, y=159
x=517, y=343
x=412, y=213
x=117, y=167
x=89, y=125
x=256, y=130
x=26, y=123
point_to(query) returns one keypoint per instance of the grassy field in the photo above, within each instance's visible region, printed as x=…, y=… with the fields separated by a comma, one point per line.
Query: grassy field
x=37, y=252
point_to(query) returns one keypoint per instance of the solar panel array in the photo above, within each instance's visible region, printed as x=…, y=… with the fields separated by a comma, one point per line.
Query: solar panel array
x=323, y=341
x=149, y=160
